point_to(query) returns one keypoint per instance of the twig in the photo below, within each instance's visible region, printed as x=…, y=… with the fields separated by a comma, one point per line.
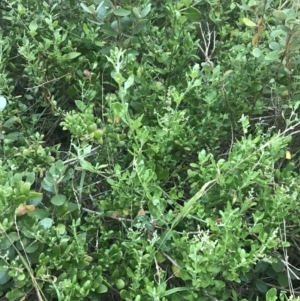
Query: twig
x=121, y=219
x=231, y=117
x=74, y=160
x=50, y=81
x=26, y=264
x=158, y=271
x=172, y=260
x=286, y=263
x=207, y=44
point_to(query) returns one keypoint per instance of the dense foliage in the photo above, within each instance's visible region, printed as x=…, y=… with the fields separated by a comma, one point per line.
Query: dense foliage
x=149, y=150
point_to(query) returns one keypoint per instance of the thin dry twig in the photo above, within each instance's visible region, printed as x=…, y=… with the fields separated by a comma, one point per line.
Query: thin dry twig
x=158, y=271
x=26, y=262
x=171, y=260
x=50, y=81
x=208, y=38
x=286, y=263
x=74, y=160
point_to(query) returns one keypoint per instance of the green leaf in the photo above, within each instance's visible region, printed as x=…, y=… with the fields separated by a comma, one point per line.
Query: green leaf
x=14, y=294
x=72, y=207
x=81, y=238
x=283, y=280
x=3, y=103
x=107, y=29
x=10, y=121
x=25, y=188
x=243, y=7
x=285, y=29
x=33, y=26
x=118, y=78
x=13, y=136
x=6, y=242
x=248, y=22
x=35, y=198
x=279, y=14
x=260, y=285
x=126, y=23
x=46, y=222
x=191, y=202
x=5, y=278
x=30, y=177
x=21, y=277
x=271, y=294
x=256, y=52
x=136, y=12
x=28, y=233
x=58, y=199
x=295, y=45
x=46, y=186
x=278, y=266
x=145, y=11
x=272, y=56
x=124, y=294
x=3, y=269
x=129, y=82
x=274, y=46
x=101, y=11
x=68, y=175
x=122, y=12
x=184, y=275
x=175, y=290
x=261, y=267
x=136, y=123
x=72, y=55
x=257, y=228
x=87, y=166
x=141, y=24
x=61, y=228
x=102, y=289
x=42, y=271
x=192, y=14
x=14, y=236
x=90, y=9
x=32, y=247
x=80, y=105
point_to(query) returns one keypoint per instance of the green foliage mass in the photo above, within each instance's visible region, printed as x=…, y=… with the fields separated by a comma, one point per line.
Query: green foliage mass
x=149, y=150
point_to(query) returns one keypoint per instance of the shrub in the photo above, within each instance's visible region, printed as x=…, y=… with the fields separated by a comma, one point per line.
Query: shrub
x=149, y=150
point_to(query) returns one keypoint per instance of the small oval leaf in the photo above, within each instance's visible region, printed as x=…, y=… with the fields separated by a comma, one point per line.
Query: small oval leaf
x=58, y=200
x=72, y=55
x=3, y=103
x=249, y=22
x=145, y=11
x=14, y=294
x=192, y=14
x=32, y=247
x=122, y=12
x=89, y=10
x=256, y=52
x=272, y=56
x=46, y=222
x=260, y=285
x=279, y=14
x=33, y=26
